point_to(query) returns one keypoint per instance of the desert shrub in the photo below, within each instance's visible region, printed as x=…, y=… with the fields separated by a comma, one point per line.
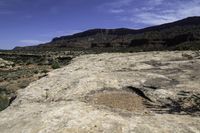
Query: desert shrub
x=4, y=102
x=55, y=65
x=29, y=62
x=45, y=71
x=197, y=53
x=189, y=57
x=35, y=71
x=13, y=65
x=23, y=83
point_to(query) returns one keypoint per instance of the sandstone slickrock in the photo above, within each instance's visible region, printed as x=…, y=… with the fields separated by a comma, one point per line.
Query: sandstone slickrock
x=92, y=94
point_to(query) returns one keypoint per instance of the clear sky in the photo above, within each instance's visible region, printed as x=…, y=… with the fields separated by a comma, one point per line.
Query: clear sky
x=28, y=22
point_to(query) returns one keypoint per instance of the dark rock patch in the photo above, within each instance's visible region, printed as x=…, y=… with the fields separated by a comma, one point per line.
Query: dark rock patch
x=185, y=103
x=157, y=83
x=139, y=92
x=156, y=63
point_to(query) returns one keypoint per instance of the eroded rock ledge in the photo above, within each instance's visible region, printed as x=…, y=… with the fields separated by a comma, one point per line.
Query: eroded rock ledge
x=130, y=92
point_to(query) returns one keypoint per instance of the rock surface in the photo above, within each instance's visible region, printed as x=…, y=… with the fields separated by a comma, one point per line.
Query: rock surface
x=156, y=92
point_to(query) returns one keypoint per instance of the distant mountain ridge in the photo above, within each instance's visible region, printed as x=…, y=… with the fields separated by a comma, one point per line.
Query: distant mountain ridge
x=180, y=35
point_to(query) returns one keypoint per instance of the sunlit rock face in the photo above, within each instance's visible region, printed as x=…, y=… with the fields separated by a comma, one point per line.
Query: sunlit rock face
x=119, y=93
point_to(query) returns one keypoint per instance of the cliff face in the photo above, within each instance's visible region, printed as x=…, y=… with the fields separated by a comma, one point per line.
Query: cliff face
x=149, y=92
x=180, y=35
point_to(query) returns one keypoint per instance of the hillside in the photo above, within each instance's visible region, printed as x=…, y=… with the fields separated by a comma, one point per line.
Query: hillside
x=180, y=35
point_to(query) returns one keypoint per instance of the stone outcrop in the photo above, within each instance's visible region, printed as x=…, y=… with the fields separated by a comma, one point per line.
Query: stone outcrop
x=154, y=92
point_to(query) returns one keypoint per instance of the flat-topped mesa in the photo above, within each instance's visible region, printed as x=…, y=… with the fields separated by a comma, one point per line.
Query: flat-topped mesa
x=179, y=35
x=120, y=31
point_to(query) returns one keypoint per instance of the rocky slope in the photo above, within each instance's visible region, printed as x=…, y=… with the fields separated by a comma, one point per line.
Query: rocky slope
x=179, y=35
x=154, y=92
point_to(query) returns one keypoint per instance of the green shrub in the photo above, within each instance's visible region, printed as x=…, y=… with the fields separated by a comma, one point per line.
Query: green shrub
x=55, y=65
x=4, y=102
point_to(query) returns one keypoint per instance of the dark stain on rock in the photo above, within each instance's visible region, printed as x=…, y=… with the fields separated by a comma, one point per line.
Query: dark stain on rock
x=138, y=92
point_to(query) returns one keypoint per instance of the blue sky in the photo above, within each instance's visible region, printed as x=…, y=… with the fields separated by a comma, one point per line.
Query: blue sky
x=29, y=22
